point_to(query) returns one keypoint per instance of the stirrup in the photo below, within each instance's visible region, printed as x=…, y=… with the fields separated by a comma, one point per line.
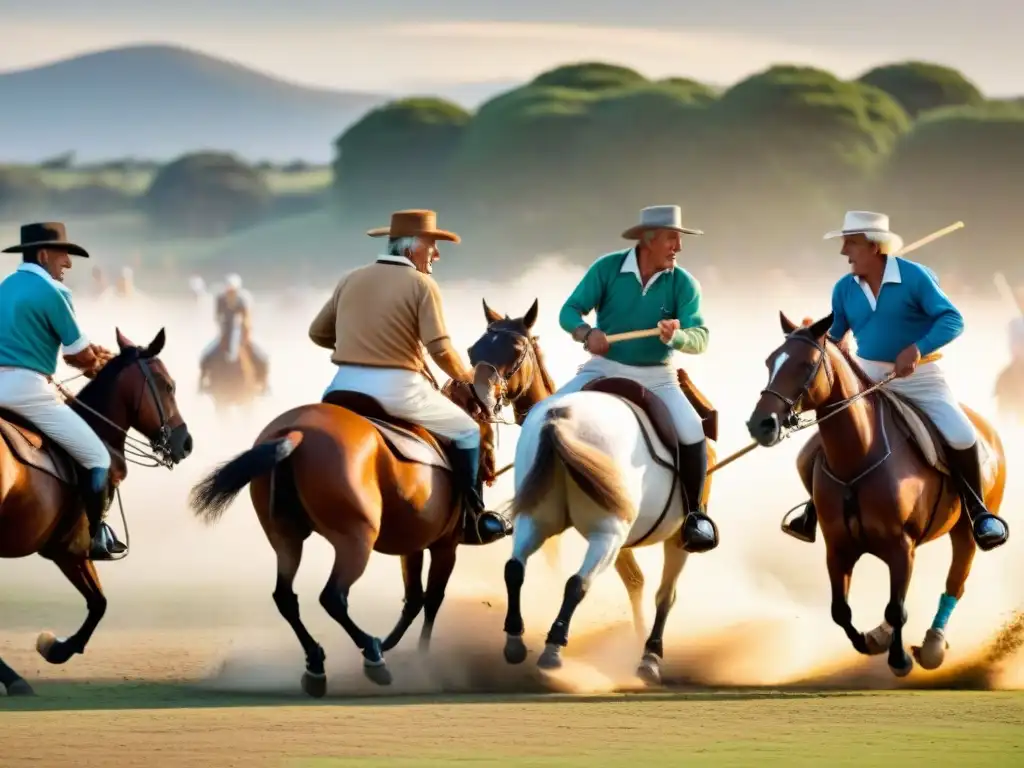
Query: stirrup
x=703, y=522
x=787, y=522
x=986, y=516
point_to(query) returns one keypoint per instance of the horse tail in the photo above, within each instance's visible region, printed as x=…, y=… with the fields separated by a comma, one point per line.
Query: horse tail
x=593, y=471
x=211, y=496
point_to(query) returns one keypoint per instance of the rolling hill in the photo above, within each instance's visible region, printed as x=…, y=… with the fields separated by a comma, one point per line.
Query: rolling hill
x=156, y=102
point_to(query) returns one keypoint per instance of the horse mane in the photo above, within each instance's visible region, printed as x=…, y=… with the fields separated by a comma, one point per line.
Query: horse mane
x=845, y=355
x=98, y=391
x=549, y=383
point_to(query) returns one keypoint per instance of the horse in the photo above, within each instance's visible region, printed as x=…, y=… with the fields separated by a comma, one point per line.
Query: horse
x=878, y=480
x=40, y=510
x=603, y=461
x=1009, y=391
x=366, y=482
x=231, y=373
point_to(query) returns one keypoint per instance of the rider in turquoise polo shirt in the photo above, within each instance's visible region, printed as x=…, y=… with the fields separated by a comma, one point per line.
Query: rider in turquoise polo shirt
x=637, y=289
x=37, y=319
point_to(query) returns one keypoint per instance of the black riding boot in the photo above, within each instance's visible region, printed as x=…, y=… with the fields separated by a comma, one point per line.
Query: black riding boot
x=479, y=526
x=989, y=531
x=805, y=526
x=96, y=498
x=700, y=534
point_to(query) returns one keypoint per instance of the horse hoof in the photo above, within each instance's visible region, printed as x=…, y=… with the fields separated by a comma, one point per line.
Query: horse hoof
x=515, y=649
x=906, y=665
x=378, y=673
x=52, y=648
x=650, y=669
x=20, y=688
x=878, y=640
x=551, y=658
x=932, y=652
x=314, y=684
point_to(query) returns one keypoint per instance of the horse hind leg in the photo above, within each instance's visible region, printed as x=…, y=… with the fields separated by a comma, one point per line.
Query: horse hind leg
x=603, y=546
x=15, y=684
x=932, y=651
x=82, y=575
x=654, y=651
x=442, y=563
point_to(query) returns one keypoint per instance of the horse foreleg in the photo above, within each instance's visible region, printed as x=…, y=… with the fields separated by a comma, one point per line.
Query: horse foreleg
x=289, y=554
x=602, y=549
x=840, y=570
x=442, y=563
x=351, y=555
x=82, y=575
x=932, y=652
x=901, y=563
x=654, y=651
x=527, y=538
x=13, y=682
x=412, y=577
x=633, y=578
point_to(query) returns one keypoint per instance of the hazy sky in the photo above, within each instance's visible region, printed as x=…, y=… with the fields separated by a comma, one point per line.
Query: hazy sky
x=387, y=44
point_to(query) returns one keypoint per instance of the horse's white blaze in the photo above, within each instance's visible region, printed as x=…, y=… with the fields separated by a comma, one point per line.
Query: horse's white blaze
x=780, y=360
x=608, y=424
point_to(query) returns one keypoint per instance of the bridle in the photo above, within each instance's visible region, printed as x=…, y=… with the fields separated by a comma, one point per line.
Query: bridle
x=504, y=398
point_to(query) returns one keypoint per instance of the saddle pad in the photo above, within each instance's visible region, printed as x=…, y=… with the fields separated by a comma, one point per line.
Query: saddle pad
x=926, y=436
x=31, y=449
x=409, y=446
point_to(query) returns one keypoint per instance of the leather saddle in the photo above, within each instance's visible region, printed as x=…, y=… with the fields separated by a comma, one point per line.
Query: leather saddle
x=409, y=442
x=657, y=412
x=32, y=448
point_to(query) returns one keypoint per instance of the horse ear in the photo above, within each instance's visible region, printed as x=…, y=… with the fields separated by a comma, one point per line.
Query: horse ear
x=531, y=315
x=788, y=326
x=820, y=328
x=156, y=345
x=123, y=342
x=490, y=314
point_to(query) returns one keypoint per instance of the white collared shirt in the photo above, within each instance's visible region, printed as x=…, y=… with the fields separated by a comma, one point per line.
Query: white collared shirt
x=631, y=264
x=404, y=261
x=890, y=275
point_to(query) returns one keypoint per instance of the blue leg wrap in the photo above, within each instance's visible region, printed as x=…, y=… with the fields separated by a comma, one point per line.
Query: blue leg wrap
x=946, y=605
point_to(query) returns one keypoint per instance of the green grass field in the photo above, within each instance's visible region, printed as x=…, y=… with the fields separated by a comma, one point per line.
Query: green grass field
x=171, y=725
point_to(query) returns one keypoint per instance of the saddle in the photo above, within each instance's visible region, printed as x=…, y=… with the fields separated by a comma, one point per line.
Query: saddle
x=32, y=448
x=657, y=412
x=409, y=442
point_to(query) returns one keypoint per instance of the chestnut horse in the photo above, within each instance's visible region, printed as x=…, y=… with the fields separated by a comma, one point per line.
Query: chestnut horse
x=40, y=511
x=342, y=469
x=618, y=487
x=878, y=482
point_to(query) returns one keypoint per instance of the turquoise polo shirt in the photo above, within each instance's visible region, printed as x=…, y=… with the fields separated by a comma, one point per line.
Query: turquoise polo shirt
x=612, y=287
x=36, y=319
x=910, y=308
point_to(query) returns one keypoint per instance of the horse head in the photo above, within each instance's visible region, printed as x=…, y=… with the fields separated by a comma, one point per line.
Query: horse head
x=134, y=390
x=800, y=378
x=505, y=358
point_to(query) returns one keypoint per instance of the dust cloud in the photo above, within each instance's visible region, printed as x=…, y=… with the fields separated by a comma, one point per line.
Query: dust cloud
x=754, y=612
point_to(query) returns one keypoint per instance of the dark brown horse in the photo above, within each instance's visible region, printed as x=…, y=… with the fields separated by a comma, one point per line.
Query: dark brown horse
x=874, y=488
x=365, y=482
x=40, y=510
x=232, y=378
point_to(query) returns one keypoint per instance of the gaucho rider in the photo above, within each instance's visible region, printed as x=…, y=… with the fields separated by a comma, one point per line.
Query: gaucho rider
x=37, y=318
x=378, y=321
x=898, y=314
x=637, y=289
x=233, y=307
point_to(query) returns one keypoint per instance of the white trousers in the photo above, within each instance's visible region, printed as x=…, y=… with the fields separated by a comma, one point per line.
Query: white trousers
x=408, y=395
x=927, y=389
x=659, y=379
x=31, y=396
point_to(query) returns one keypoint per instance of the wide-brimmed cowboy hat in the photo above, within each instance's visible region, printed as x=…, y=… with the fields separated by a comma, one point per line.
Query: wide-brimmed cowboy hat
x=659, y=217
x=874, y=226
x=414, y=223
x=50, y=236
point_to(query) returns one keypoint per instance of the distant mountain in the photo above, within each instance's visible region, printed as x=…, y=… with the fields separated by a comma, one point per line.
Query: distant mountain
x=156, y=102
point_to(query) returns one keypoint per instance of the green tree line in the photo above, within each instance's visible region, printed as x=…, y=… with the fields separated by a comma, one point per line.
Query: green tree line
x=765, y=166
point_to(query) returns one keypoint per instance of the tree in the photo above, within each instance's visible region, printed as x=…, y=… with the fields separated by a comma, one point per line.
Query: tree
x=919, y=86
x=589, y=76
x=22, y=193
x=206, y=194
x=397, y=156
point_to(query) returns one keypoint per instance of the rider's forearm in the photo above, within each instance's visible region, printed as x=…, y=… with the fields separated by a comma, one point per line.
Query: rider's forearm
x=448, y=360
x=691, y=341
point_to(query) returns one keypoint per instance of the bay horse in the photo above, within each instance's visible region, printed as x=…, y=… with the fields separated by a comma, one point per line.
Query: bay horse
x=601, y=460
x=365, y=481
x=231, y=373
x=40, y=509
x=878, y=480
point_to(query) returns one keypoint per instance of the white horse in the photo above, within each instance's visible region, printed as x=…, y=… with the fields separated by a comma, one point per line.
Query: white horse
x=590, y=460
